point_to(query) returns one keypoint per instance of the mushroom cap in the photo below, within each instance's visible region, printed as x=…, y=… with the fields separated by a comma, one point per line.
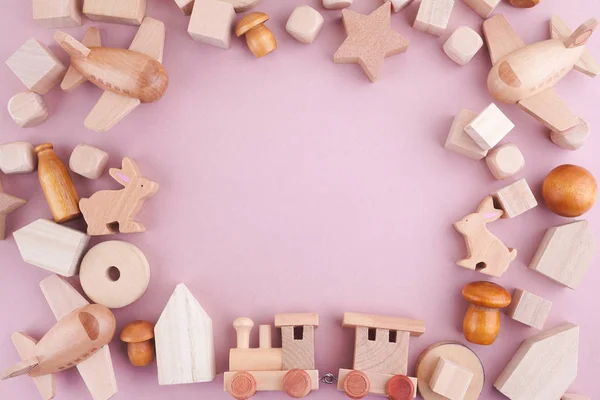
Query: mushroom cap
x=249, y=22
x=487, y=294
x=137, y=331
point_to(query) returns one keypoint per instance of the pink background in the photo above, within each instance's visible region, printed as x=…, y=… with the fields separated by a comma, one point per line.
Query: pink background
x=293, y=184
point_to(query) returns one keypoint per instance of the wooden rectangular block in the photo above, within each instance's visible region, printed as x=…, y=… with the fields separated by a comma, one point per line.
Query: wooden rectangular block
x=489, y=127
x=378, y=382
x=414, y=326
x=571, y=396
x=450, y=380
x=298, y=343
x=529, y=309
x=483, y=7
x=565, y=253
x=271, y=381
x=212, y=23
x=381, y=351
x=433, y=16
x=51, y=246
x=459, y=142
x=297, y=319
x=57, y=13
x=36, y=66
x=515, y=199
x=17, y=158
x=130, y=12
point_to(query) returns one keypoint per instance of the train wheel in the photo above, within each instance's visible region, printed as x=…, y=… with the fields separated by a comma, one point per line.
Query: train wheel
x=243, y=386
x=400, y=387
x=297, y=383
x=356, y=385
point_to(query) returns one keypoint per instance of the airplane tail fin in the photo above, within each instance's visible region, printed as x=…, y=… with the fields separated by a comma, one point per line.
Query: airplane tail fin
x=25, y=346
x=582, y=34
x=74, y=78
x=21, y=368
x=560, y=30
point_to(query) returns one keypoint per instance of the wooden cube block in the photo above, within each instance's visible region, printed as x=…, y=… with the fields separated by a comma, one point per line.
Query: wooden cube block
x=57, y=13
x=529, y=309
x=433, y=16
x=515, y=199
x=450, y=380
x=211, y=23
x=483, y=7
x=505, y=161
x=36, y=66
x=459, y=142
x=304, y=24
x=17, y=158
x=88, y=161
x=489, y=127
x=336, y=4
x=462, y=45
x=27, y=109
x=130, y=12
x=565, y=253
x=399, y=5
x=51, y=246
x=571, y=396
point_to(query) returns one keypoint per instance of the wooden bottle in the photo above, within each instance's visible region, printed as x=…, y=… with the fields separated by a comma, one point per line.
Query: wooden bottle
x=481, y=324
x=57, y=185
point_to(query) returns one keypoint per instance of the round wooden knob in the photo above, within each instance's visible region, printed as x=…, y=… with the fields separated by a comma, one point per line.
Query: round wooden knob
x=400, y=387
x=243, y=326
x=569, y=190
x=356, y=385
x=243, y=386
x=482, y=320
x=297, y=383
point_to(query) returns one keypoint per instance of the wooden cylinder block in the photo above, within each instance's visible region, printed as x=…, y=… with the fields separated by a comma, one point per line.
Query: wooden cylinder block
x=256, y=360
x=264, y=337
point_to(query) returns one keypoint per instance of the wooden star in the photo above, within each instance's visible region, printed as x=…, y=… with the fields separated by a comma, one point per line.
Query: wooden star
x=8, y=204
x=370, y=40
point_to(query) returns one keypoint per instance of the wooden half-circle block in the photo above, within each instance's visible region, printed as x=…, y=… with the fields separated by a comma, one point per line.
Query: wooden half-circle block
x=356, y=385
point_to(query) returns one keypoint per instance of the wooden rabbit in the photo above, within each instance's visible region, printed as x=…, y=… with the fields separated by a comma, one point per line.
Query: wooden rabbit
x=112, y=211
x=486, y=253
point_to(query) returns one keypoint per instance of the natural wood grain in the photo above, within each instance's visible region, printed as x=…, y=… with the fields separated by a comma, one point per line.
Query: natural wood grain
x=462, y=45
x=17, y=158
x=450, y=379
x=586, y=64
x=550, y=109
x=62, y=298
x=515, y=199
x=481, y=324
x=298, y=350
x=399, y=5
x=73, y=78
x=8, y=204
x=433, y=16
x=296, y=319
x=529, y=309
x=378, y=382
x=27, y=109
x=571, y=396
x=304, y=24
x=110, y=109
x=269, y=380
x=264, y=337
x=489, y=127
x=297, y=383
x=458, y=141
x=573, y=138
x=211, y=23
x=505, y=161
x=259, y=39
x=244, y=359
x=569, y=190
x=354, y=320
x=130, y=12
x=386, y=352
x=57, y=13
x=99, y=375
x=88, y=161
x=483, y=7
x=501, y=38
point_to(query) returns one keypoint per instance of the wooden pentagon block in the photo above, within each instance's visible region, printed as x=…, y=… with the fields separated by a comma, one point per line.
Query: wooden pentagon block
x=27, y=109
x=483, y=7
x=505, y=161
x=459, y=142
x=399, y=5
x=489, y=127
x=304, y=24
x=543, y=367
x=529, y=309
x=450, y=380
x=336, y=4
x=462, y=45
x=515, y=199
x=381, y=351
x=17, y=158
x=51, y=246
x=36, y=66
x=298, y=343
x=433, y=16
x=211, y=23
x=565, y=253
x=57, y=13
x=88, y=161
x=571, y=396
x=130, y=12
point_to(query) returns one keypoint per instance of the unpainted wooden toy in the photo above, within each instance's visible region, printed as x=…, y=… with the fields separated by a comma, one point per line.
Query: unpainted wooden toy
x=450, y=379
x=211, y=23
x=27, y=109
x=130, y=12
x=88, y=161
x=433, y=16
x=336, y=4
x=304, y=24
x=57, y=13
x=8, y=204
x=505, y=161
x=529, y=309
x=483, y=7
x=140, y=347
x=481, y=324
x=399, y=5
x=259, y=38
x=17, y=158
x=569, y=190
x=458, y=141
x=524, y=3
x=462, y=45
x=486, y=253
x=515, y=199
x=111, y=211
x=489, y=127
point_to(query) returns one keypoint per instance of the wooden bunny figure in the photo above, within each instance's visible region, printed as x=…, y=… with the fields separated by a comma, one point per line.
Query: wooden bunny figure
x=112, y=211
x=486, y=253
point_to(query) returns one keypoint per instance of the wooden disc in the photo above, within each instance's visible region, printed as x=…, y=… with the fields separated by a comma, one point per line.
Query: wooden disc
x=243, y=386
x=400, y=387
x=457, y=353
x=297, y=383
x=356, y=385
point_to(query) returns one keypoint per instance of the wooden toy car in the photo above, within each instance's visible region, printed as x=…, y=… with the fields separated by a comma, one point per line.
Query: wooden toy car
x=290, y=369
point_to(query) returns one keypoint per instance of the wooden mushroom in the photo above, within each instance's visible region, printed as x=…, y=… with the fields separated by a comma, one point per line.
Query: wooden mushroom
x=140, y=348
x=259, y=38
x=482, y=320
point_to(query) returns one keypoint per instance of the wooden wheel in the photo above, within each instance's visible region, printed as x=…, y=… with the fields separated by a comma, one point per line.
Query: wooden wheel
x=297, y=383
x=243, y=386
x=356, y=385
x=400, y=387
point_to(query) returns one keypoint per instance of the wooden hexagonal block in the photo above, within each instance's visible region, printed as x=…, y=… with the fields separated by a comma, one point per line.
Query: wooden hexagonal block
x=450, y=380
x=27, y=109
x=17, y=158
x=88, y=161
x=529, y=309
x=505, y=161
x=462, y=45
x=304, y=24
x=211, y=22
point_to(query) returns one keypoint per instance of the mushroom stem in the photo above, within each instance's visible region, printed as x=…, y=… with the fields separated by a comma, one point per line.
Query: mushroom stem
x=140, y=354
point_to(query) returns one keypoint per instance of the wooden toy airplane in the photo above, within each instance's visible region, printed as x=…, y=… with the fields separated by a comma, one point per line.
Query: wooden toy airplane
x=525, y=75
x=129, y=77
x=80, y=338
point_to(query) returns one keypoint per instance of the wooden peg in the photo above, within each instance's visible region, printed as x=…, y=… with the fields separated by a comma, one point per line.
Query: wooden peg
x=505, y=161
x=57, y=13
x=259, y=38
x=481, y=324
x=243, y=327
x=57, y=185
x=110, y=211
x=486, y=253
x=8, y=204
x=130, y=12
x=17, y=158
x=433, y=16
x=211, y=23
x=27, y=109
x=264, y=337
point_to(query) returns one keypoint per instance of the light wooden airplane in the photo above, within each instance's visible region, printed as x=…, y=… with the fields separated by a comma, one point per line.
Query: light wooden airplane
x=129, y=77
x=69, y=342
x=525, y=75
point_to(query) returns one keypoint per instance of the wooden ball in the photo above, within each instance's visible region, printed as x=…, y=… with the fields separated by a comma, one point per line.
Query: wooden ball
x=569, y=190
x=524, y=3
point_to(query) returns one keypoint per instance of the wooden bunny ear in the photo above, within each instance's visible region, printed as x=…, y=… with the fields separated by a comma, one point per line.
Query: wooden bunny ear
x=582, y=34
x=130, y=167
x=486, y=206
x=120, y=176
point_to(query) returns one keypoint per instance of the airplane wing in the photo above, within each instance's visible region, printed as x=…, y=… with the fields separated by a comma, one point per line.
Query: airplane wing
x=62, y=298
x=550, y=109
x=150, y=39
x=99, y=375
x=586, y=64
x=73, y=78
x=500, y=37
